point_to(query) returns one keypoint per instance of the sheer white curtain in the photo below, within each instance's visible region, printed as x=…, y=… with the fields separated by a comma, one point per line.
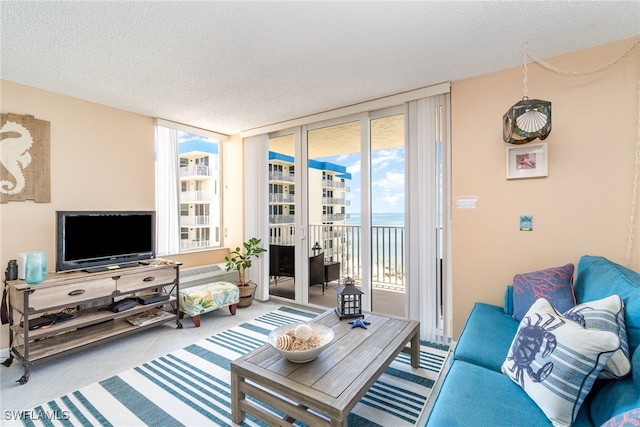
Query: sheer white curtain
x=426, y=126
x=256, y=207
x=167, y=192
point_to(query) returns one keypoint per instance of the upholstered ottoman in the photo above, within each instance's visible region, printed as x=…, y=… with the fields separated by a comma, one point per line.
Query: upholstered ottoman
x=200, y=299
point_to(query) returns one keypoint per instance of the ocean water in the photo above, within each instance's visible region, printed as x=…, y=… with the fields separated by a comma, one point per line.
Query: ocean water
x=390, y=219
x=386, y=240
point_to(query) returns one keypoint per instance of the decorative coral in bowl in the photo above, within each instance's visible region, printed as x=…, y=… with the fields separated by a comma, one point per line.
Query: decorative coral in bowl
x=300, y=342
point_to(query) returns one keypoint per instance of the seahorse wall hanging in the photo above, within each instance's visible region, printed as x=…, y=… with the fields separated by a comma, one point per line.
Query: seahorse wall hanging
x=24, y=159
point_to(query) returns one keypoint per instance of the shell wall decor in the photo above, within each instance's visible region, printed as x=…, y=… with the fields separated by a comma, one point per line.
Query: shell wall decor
x=24, y=159
x=527, y=120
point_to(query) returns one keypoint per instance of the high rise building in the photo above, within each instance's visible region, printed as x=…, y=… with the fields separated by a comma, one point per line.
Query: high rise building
x=199, y=194
x=327, y=196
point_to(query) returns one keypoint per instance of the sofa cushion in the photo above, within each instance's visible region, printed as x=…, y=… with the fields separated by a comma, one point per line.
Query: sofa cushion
x=617, y=396
x=556, y=361
x=486, y=337
x=606, y=314
x=554, y=284
x=597, y=278
x=475, y=396
x=508, y=300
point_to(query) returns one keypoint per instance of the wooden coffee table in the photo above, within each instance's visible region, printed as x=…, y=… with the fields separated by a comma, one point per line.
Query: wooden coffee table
x=333, y=383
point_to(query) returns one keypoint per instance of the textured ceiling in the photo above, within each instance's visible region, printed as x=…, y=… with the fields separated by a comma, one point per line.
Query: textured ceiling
x=234, y=66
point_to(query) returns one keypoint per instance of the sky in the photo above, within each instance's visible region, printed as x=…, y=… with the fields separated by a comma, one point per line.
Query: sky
x=387, y=177
x=387, y=170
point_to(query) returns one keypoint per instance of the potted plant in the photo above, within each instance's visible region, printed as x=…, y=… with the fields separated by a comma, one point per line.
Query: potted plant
x=240, y=260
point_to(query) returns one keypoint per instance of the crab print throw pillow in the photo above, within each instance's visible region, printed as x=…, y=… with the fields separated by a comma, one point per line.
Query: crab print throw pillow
x=556, y=360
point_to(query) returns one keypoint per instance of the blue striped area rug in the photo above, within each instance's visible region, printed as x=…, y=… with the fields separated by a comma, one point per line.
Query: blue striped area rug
x=190, y=387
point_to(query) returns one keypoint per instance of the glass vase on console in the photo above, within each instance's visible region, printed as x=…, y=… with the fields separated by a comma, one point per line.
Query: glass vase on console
x=35, y=268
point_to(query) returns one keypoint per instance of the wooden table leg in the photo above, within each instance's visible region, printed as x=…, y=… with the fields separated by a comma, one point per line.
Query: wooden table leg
x=340, y=423
x=415, y=350
x=236, y=397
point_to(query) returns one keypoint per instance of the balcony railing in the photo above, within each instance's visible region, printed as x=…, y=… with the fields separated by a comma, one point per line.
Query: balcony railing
x=334, y=201
x=281, y=198
x=196, y=196
x=281, y=176
x=281, y=219
x=343, y=243
x=186, y=245
x=194, y=220
x=334, y=217
x=194, y=170
x=331, y=183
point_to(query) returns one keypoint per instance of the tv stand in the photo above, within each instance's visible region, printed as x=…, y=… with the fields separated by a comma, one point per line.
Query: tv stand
x=68, y=293
x=111, y=267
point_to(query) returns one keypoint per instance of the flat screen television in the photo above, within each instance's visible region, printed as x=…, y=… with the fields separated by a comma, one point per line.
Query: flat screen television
x=103, y=240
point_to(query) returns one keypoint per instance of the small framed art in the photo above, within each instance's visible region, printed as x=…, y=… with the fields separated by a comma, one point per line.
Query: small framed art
x=527, y=161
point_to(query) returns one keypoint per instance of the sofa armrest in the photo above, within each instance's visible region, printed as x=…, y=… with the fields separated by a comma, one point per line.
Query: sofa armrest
x=508, y=300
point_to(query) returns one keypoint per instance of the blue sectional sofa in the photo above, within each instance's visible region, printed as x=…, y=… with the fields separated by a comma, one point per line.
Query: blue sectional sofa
x=476, y=392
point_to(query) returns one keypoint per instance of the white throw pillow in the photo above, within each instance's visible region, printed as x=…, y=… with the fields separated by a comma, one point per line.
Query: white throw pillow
x=556, y=360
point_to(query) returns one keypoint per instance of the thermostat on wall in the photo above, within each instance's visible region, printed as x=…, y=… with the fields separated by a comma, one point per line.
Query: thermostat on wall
x=466, y=202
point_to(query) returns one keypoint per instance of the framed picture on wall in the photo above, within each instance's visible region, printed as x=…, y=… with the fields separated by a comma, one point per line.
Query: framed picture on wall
x=527, y=161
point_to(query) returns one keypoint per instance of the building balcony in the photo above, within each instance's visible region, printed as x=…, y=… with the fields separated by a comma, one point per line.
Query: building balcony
x=281, y=176
x=334, y=217
x=186, y=245
x=330, y=183
x=195, y=221
x=196, y=196
x=342, y=243
x=195, y=170
x=281, y=198
x=282, y=219
x=340, y=201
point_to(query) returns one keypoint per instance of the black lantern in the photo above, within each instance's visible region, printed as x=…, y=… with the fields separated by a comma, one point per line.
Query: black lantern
x=527, y=120
x=316, y=249
x=349, y=304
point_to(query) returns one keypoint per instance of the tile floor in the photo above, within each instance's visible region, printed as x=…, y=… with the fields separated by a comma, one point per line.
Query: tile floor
x=59, y=376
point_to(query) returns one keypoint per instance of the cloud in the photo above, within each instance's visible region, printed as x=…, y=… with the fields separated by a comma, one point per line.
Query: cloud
x=391, y=186
x=186, y=137
x=382, y=158
x=392, y=181
x=393, y=199
x=354, y=168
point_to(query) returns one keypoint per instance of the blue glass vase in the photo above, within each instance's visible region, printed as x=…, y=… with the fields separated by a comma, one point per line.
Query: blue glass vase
x=35, y=268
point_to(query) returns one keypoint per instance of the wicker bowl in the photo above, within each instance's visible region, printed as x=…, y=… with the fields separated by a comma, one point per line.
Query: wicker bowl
x=302, y=356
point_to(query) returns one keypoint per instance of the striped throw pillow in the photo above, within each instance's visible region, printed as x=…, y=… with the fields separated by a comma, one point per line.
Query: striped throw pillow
x=606, y=314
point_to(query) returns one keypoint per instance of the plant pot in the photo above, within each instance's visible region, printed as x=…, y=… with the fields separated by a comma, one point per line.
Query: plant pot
x=247, y=292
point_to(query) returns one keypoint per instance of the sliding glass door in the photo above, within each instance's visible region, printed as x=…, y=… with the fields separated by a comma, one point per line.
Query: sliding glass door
x=335, y=230
x=364, y=196
x=348, y=219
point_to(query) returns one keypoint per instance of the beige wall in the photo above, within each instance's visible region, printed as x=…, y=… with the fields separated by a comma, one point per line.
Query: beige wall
x=101, y=158
x=582, y=207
